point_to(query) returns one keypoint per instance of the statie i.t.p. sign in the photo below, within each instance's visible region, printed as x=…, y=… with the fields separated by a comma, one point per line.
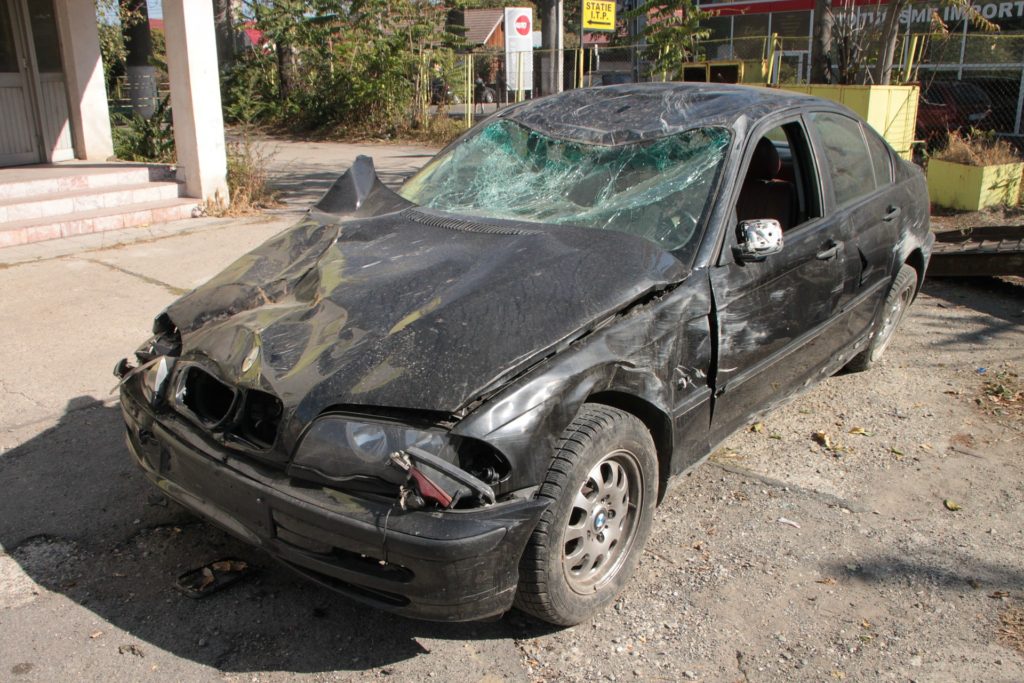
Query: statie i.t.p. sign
x=598, y=16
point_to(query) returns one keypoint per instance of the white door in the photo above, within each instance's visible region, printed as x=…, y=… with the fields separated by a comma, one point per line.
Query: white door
x=19, y=139
x=34, y=122
x=51, y=93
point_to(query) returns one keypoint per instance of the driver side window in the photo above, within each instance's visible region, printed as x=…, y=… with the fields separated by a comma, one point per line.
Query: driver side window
x=780, y=181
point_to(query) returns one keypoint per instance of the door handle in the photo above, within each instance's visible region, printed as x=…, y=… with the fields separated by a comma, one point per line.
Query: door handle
x=892, y=213
x=830, y=251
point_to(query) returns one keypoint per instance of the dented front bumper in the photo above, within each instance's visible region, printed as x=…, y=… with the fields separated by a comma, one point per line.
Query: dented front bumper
x=456, y=565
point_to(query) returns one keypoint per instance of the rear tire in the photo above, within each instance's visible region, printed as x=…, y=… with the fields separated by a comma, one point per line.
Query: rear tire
x=897, y=302
x=602, y=485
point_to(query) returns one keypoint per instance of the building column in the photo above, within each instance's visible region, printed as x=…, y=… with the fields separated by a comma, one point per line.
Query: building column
x=83, y=77
x=195, y=97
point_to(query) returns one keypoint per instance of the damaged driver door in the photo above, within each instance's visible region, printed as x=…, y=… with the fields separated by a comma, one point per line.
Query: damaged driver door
x=773, y=312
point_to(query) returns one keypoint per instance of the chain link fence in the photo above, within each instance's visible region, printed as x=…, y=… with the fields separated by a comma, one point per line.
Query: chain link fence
x=968, y=80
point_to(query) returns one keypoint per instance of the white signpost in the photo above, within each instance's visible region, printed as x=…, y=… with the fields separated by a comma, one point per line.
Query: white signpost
x=519, y=48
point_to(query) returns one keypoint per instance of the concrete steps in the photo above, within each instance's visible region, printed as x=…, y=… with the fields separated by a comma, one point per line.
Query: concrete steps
x=50, y=202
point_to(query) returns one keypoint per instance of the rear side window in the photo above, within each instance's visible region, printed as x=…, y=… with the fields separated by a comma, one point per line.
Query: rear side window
x=879, y=158
x=852, y=171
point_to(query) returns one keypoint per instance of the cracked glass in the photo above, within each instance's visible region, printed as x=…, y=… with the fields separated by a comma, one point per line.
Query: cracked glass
x=659, y=190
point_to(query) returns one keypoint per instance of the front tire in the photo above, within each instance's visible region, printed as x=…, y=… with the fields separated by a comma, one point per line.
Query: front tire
x=602, y=485
x=897, y=302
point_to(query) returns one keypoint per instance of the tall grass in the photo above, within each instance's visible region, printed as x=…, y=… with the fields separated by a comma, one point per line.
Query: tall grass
x=248, y=181
x=977, y=148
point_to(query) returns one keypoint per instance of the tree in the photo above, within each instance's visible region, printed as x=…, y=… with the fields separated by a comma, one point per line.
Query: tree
x=844, y=38
x=224, y=14
x=821, y=65
x=362, y=64
x=141, y=81
x=671, y=34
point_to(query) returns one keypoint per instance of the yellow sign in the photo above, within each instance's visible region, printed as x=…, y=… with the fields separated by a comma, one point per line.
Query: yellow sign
x=598, y=16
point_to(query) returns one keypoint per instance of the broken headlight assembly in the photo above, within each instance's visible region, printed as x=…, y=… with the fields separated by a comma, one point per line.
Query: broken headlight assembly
x=341, y=449
x=378, y=457
x=154, y=378
x=155, y=372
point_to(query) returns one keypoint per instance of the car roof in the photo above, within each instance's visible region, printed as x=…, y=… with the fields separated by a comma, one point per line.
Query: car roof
x=632, y=112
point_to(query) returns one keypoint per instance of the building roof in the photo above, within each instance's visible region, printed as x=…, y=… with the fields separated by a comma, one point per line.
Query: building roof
x=480, y=24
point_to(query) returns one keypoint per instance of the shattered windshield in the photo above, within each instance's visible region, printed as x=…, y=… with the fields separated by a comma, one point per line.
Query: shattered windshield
x=657, y=189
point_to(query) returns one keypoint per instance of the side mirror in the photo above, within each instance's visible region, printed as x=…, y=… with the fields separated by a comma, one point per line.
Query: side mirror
x=759, y=239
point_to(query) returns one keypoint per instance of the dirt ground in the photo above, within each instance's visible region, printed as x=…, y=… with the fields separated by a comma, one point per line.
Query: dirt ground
x=948, y=219
x=871, y=529
x=881, y=581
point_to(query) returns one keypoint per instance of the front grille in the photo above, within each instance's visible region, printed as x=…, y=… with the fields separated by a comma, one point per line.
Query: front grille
x=205, y=396
x=261, y=417
x=251, y=416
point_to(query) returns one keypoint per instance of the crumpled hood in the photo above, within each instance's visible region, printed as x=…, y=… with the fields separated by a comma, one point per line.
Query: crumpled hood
x=410, y=309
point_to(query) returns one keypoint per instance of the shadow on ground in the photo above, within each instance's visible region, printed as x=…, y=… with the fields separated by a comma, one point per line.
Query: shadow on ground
x=82, y=522
x=998, y=306
x=948, y=571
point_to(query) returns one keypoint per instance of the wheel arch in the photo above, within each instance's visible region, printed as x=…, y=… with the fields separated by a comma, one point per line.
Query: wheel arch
x=915, y=260
x=658, y=423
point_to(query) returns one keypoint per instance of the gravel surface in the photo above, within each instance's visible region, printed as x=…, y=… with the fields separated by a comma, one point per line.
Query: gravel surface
x=786, y=557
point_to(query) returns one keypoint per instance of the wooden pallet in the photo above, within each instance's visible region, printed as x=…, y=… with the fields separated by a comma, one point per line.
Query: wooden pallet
x=988, y=250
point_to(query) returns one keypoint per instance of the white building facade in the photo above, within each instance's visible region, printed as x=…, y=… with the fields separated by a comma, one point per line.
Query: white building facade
x=53, y=100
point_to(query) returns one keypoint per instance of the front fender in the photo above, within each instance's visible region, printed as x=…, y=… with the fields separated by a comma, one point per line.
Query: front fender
x=526, y=431
x=649, y=355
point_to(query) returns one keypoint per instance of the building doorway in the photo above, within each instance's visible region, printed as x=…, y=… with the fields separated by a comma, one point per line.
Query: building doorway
x=34, y=123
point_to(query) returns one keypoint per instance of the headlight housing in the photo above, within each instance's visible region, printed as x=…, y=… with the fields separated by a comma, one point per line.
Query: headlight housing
x=338, y=448
x=154, y=376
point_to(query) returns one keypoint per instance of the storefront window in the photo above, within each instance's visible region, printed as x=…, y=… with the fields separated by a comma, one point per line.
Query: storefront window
x=750, y=33
x=793, y=28
x=718, y=45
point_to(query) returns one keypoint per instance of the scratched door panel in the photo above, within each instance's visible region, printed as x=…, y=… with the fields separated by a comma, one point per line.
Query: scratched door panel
x=773, y=321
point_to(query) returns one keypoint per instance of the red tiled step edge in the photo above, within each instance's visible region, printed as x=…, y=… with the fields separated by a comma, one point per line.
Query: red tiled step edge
x=90, y=199
x=98, y=220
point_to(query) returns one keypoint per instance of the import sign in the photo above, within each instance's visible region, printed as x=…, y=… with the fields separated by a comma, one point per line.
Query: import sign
x=519, y=48
x=598, y=16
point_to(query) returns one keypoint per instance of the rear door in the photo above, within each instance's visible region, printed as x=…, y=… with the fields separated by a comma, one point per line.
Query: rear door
x=869, y=210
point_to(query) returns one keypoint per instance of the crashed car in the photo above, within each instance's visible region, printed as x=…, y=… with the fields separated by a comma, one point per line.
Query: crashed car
x=471, y=393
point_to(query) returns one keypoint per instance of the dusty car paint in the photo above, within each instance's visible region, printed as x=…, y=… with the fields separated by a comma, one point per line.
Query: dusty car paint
x=498, y=331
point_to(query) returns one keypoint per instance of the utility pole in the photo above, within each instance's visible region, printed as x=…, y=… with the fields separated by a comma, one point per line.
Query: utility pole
x=141, y=74
x=224, y=13
x=821, y=71
x=553, y=43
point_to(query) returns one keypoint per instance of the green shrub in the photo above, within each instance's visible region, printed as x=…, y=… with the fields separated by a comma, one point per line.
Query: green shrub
x=140, y=139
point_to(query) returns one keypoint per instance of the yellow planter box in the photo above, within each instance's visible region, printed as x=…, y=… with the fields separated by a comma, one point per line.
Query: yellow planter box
x=890, y=109
x=972, y=188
